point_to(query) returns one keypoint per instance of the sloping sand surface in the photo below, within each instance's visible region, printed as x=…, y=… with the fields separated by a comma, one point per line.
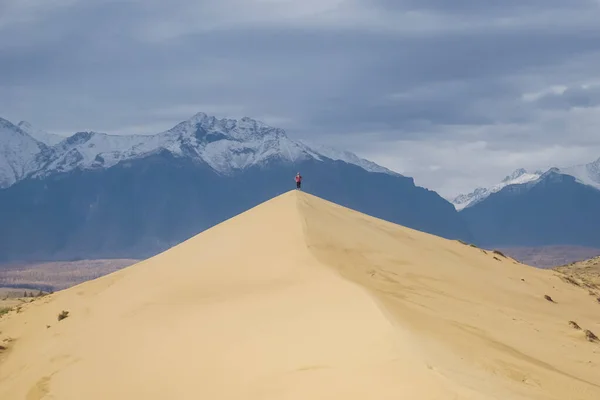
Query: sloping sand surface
x=300, y=298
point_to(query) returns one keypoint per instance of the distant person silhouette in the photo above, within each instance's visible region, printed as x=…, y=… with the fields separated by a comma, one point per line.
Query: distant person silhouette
x=298, y=181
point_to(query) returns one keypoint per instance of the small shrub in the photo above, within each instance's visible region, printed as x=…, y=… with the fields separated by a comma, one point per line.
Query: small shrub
x=4, y=310
x=598, y=299
x=499, y=253
x=467, y=244
x=574, y=325
x=570, y=280
x=548, y=298
x=497, y=259
x=589, y=335
x=63, y=315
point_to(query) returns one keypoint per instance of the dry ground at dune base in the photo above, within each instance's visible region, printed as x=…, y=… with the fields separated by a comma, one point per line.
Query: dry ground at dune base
x=551, y=256
x=299, y=298
x=13, y=293
x=56, y=275
x=14, y=300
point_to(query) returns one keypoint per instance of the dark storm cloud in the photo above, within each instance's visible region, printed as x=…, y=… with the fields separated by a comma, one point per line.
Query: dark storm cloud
x=343, y=72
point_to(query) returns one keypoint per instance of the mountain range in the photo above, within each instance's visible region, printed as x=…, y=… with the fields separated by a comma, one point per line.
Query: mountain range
x=586, y=174
x=225, y=145
x=519, y=176
x=554, y=209
x=558, y=207
x=94, y=195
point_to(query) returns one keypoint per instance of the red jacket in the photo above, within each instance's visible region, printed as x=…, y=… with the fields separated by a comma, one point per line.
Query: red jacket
x=298, y=178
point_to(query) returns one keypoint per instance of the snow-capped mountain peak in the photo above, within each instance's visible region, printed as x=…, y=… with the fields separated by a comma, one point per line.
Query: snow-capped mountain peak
x=226, y=145
x=91, y=149
x=515, y=175
x=519, y=176
x=587, y=174
x=18, y=153
x=245, y=129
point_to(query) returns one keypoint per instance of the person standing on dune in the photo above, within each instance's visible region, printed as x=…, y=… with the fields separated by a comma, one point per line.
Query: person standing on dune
x=298, y=181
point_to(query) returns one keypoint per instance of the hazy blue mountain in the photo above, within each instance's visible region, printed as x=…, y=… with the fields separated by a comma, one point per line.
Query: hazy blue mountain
x=587, y=174
x=556, y=209
x=519, y=176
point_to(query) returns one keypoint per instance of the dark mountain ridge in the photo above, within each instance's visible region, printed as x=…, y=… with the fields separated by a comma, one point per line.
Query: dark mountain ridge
x=554, y=210
x=143, y=206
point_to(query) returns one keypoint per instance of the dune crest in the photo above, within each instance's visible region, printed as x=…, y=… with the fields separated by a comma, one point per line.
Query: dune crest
x=300, y=298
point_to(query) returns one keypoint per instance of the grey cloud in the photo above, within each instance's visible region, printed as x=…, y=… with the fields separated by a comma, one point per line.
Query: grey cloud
x=124, y=66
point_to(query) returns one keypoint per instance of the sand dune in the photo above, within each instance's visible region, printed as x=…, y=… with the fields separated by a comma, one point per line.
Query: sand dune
x=299, y=298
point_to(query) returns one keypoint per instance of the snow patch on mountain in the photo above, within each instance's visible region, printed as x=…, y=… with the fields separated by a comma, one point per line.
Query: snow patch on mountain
x=587, y=174
x=18, y=153
x=519, y=176
x=96, y=150
x=346, y=156
x=228, y=145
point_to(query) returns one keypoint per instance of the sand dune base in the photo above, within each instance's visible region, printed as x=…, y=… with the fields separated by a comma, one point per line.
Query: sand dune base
x=299, y=298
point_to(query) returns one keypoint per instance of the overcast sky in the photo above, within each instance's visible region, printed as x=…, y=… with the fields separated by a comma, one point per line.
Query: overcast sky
x=456, y=94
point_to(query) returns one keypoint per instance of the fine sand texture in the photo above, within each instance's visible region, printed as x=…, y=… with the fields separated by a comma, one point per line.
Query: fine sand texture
x=299, y=298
